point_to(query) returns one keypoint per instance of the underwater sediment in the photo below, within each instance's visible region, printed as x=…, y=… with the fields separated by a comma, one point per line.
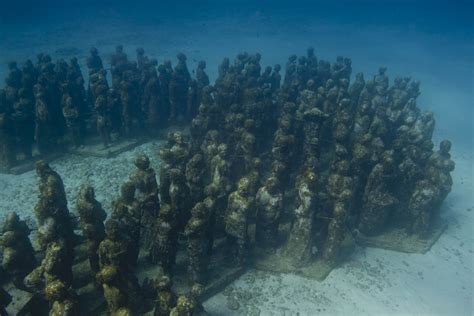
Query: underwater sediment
x=282, y=175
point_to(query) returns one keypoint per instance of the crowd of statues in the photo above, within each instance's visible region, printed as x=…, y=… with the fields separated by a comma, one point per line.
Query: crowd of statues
x=326, y=156
x=47, y=107
x=112, y=249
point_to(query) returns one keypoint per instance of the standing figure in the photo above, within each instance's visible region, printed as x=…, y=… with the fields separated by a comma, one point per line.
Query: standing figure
x=275, y=78
x=195, y=172
x=196, y=232
x=92, y=217
x=201, y=77
x=53, y=204
x=179, y=194
x=24, y=120
x=165, y=182
x=164, y=78
x=379, y=200
x=220, y=186
x=64, y=300
x=337, y=228
x=5, y=300
x=94, y=62
x=126, y=209
x=115, y=273
x=236, y=219
x=151, y=103
x=192, y=102
x=300, y=242
x=166, y=299
x=57, y=262
x=102, y=119
x=430, y=192
x=126, y=98
x=202, y=80
x=269, y=202
x=18, y=254
x=44, y=135
x=144, y=179
x=341, y=197
x=7, y=142
x=178, y=88
x=73, y=123
x=165, y=245
x=77, y=90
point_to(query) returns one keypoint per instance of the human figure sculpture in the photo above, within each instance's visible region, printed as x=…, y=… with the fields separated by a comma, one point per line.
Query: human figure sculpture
x=236, y=220
x=92, y=217
x=269, y=202
x=166, y=299
x=144, y=179
x=18, y=253
x=379, y=199
x=7, y=142
x=196, y=232
x=127, y=210
x=164, y=247
x=300, y=241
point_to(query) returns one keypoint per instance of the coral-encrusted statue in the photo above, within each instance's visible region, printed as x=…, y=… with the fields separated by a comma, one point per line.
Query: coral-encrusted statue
x=236, y=220
x=269, y=201
x=144, y=179
x=18, y=254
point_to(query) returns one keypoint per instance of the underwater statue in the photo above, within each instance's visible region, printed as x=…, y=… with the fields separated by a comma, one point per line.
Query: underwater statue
x=166, y=299
x=164, y=247
x=92, y=217
x=236, y=220
x=300, y=241
x=119, y=284
x=18, y=253
x=269, y=201
x=308, y=162
x=127, y=210
x=144, y=179
x=196, y=232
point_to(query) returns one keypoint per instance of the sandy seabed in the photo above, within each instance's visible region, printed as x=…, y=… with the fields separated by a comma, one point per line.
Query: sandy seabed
x=372, y=281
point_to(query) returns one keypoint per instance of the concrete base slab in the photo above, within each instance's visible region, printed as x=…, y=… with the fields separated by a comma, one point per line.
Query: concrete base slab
x=398, y=239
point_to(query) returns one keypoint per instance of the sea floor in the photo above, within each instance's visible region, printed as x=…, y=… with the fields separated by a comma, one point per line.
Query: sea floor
x=373, y=281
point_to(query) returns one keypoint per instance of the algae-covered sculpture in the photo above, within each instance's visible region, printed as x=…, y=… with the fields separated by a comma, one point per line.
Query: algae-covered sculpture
x=144, y=179
x=282, y=172
x=92, y=217
x=269, y=202
x=300, y=241
x=196, y=232
x=166, y=299
x=18, y=254
x=119, y=284
x=127, y=210
x=236, y=220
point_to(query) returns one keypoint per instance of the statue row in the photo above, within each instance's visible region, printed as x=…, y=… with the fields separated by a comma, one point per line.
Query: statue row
x=48, y=106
